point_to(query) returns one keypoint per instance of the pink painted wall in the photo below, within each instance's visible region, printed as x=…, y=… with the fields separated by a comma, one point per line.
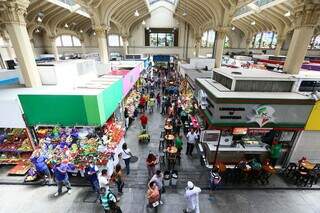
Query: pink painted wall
x=130, y=79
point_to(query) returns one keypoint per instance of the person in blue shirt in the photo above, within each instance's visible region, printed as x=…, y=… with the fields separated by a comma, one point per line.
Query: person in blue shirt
x=40, y=163
x=91, y=172
x=61, y=176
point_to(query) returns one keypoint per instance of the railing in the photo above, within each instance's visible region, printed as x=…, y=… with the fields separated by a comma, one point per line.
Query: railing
x=242, y=10
x=68, y=2
x=260, y=3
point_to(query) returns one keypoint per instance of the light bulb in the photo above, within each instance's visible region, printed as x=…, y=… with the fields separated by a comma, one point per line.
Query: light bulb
x=94, y=33
x=39, y=19
x=253, y=23
x=136, y=13
x=233, y=28
x=287, y=14
x=143, y=22
x=81, y=31
x=66, y=25
x=37, y=30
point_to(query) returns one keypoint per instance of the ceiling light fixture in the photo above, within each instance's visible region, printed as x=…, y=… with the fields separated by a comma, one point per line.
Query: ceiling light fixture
x=39, y=19
x=66, y=26
x=287, y=14
x=253, y=23
x=94, y=33
x=37, y=30
x=143, y=22
x=81, y=31
x=184, y=13
x=136, y=13
x=233, y=28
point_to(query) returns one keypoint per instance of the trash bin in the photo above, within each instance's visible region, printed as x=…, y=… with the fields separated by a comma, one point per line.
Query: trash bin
x=166, y=178
x=174, y=178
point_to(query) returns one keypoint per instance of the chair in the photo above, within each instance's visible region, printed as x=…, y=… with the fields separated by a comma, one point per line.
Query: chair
x=172, y=159
x=290, y=169
x=161, y=144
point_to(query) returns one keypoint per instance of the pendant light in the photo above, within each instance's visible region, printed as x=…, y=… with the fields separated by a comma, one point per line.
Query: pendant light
x=136, y=13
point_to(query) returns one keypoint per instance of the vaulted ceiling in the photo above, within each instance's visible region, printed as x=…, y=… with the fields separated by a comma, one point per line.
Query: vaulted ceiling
x=249, y=16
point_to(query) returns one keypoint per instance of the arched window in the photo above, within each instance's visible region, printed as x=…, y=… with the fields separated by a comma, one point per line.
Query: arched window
x=208, y=38
x=315, y=42
x=67, y=41
x=264, y=40
x=227, y=42
x=115, y=40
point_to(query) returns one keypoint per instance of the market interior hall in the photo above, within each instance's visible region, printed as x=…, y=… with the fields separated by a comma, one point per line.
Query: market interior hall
x=141, y=106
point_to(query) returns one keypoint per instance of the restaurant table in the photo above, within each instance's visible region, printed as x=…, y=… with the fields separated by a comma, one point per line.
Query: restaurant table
x=169, y=137
x=307, y=165
x=172, y=150
x=168, y=128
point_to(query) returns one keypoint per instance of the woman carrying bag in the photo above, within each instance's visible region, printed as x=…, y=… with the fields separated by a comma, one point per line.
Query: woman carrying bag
x=126, y=156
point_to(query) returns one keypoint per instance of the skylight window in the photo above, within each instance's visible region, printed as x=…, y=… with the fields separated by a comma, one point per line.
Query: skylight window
x=155, y=1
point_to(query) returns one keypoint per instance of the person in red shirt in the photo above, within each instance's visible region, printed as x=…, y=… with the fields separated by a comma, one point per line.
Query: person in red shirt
x=142, y=102
x=144, y=121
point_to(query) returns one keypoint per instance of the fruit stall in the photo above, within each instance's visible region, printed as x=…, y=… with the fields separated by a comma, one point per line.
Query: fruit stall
x=15, y=144
x=79, y=124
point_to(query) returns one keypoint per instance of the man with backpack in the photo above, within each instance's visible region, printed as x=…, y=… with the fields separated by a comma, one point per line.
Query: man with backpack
x=108, y=201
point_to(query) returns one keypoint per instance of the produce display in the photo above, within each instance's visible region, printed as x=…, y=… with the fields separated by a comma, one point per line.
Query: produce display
x=132, y=102
x=80, y=145
x=15, y=146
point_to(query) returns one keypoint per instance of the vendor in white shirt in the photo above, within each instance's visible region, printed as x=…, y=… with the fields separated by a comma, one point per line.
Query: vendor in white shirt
x=104, y=178
x=192, y=136
x=126, y=156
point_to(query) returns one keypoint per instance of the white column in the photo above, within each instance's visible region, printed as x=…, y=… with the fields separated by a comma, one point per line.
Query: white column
x=198, y=46
x=13, y=17
x=219, y=47
x=54, y=48
x=248, y=42
x=10, y=51
x=125, y=42
x=280, y=42
x=83, y=47
x=306, y=16
x=102, y=44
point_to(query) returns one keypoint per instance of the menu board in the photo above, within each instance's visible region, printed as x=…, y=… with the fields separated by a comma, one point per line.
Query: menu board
x=210, y=136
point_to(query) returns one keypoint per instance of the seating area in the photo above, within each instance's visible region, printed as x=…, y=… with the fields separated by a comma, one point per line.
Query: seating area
x=246, y=172
x=303, y=173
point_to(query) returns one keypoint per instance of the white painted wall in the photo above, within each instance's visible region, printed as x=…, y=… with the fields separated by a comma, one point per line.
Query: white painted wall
x=308, y=145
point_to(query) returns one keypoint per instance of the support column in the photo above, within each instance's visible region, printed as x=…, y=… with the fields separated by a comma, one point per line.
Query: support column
x=248, y=42
x=125, y=42
x=13, y=18
x=102, y=43
x=10, y=51
x=198, y=46
x=83, y=47
x=306, y=15
x=280, y=42
x=54, y=48
x=221, y=34
x=32, y=45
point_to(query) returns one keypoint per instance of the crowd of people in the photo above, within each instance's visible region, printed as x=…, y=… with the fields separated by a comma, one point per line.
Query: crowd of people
x=160, y=90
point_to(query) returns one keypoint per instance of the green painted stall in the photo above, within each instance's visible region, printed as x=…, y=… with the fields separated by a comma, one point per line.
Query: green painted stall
x=72, y=110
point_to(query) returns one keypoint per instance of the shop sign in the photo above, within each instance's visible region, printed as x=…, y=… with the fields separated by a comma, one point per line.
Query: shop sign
x=262, y=115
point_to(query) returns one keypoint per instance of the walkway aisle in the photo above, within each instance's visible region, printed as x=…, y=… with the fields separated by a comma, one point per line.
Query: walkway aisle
x=190, y=168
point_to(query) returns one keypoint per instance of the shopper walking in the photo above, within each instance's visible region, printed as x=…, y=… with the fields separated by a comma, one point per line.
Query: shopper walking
x=40, y=163
x=153, y=194
x=126, y=156
x=151, y=164
x=191, y=140
x=108, y=200
x=119, y=179
x=158, y=179
x=91, y=172
x=151, y=104
x=192, y=197
x=126, y=117
x=104, y=178
x=144, y=121
x=158, y=101
x=61, y=176
x=142, y=102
